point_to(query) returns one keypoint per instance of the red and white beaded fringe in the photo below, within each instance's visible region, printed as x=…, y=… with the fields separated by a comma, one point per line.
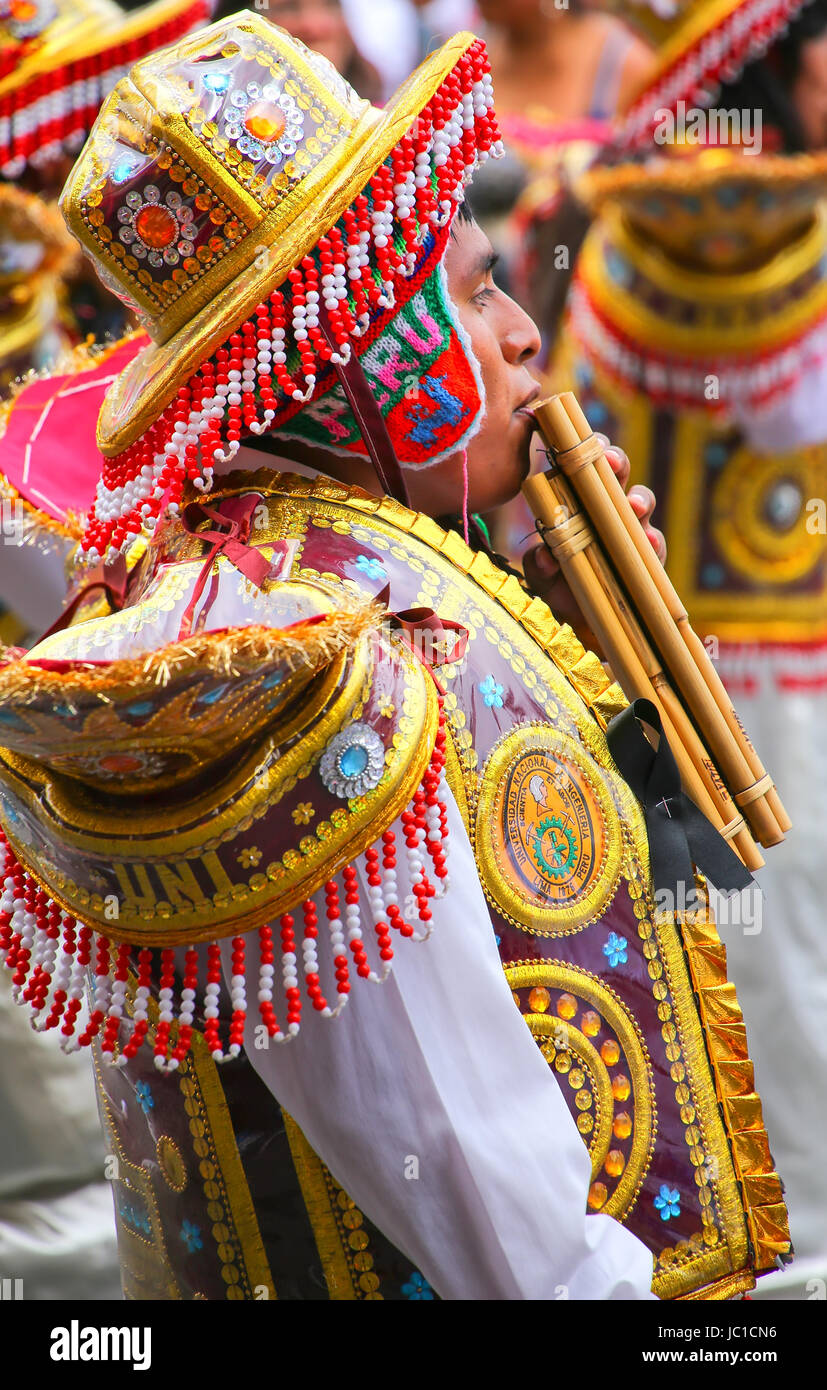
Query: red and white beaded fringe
x=721, y=54
x=754, y=380
x=50, y=953
x=356, y=272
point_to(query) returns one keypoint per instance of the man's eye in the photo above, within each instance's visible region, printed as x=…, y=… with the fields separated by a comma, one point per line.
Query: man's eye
x=482, y=296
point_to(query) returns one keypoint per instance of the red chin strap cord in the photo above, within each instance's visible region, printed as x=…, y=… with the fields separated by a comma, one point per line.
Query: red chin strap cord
x=369, y=418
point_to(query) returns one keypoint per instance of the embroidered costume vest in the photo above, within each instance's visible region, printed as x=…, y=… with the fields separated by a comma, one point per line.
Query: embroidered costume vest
x=217, y=1194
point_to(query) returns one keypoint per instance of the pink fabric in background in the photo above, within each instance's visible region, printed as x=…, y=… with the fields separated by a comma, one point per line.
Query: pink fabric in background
x=48, y=450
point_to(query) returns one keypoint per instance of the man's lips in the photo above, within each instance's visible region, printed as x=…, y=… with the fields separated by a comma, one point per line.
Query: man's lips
x=525, y=407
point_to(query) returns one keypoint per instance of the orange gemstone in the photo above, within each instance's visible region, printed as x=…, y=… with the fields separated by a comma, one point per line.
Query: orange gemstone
x=539, y=1000
x=156, y=226
x=615, y=1163
x=598, y=1193
x=621, y=1088
x=567, y=1006
x=120, y=762
x=265, y=122
x=622, y=1126
x=590, y=1023
x=610, y=1052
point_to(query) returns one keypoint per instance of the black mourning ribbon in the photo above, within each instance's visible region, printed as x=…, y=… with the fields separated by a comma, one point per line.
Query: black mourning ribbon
x=679, y=833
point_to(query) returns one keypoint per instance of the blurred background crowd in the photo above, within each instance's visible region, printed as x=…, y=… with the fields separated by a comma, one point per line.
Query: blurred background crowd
x=680, y=286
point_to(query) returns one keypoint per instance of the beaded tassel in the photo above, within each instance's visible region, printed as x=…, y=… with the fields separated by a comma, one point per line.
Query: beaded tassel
x=365, y=266
x=50, y=953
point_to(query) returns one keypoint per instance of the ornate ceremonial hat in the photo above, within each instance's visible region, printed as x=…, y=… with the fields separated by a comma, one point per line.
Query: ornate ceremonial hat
x=705, y=261
x=701, y=43
x=59, y=58
x=264, y=223
x=696, y=334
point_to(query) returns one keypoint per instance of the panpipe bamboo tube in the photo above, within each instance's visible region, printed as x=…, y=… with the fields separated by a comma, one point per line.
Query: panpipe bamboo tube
x=680, y=616
x=629, y=654
x=728, y=819
x=603, y=509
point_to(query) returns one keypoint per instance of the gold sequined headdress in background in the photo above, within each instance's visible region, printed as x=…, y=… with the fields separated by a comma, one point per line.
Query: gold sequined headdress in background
x=701, y=44
x=58, y=60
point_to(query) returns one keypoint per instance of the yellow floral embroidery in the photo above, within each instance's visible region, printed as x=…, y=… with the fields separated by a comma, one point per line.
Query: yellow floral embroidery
x=387, y=708
x=249, y=858
x=303, y=813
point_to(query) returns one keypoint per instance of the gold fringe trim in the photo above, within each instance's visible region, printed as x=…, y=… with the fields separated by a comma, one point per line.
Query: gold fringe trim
x=306, y=645
x=740, y=1104
x=316, y=1196
x=727, y=1287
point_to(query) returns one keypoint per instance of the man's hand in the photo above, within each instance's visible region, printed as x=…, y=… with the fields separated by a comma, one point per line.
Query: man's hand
x=545, y=576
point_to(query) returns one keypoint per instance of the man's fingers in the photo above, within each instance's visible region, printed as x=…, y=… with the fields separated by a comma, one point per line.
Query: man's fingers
x=618, y=460
x=541, y=562
x=658, y=541
x=643, y=502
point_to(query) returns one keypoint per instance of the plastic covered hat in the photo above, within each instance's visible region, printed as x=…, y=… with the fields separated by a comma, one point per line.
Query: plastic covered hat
x=58, y=60
x=701, y=44
x=267, y=225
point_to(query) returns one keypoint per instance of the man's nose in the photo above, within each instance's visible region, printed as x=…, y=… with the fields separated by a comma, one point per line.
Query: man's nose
x=521, y=336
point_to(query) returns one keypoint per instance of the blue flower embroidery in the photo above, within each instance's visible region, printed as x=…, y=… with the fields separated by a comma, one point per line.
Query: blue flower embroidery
x=191, y=1236
x=615, y=949
x=370, y=566
x=144, y=1096
x=139, y=1221
x=418, y=1287
x=668, y=1202
x=491, y=692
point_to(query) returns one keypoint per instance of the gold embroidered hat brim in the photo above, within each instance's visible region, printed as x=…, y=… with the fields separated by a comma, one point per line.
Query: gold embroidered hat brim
x=151, y=381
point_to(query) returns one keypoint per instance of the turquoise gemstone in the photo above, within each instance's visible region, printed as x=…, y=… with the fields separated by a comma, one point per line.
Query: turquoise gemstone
x=353, y=761
x=122, y=171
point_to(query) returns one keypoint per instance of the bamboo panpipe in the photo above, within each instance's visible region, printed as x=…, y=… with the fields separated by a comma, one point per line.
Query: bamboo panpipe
x=680, y=616
x=630, y=655
x=609, y=511
x=726, y=817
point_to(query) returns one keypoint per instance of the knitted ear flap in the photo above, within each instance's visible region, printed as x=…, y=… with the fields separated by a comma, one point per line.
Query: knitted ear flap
x=424, y=375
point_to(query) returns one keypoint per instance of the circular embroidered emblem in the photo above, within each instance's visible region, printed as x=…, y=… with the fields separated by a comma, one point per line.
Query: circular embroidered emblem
x=760, y=520
x=591, y=1040
x=549, y=840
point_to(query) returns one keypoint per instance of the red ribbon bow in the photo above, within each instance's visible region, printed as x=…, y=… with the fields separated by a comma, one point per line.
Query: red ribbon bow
x=236, y=513
x=427, y=634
